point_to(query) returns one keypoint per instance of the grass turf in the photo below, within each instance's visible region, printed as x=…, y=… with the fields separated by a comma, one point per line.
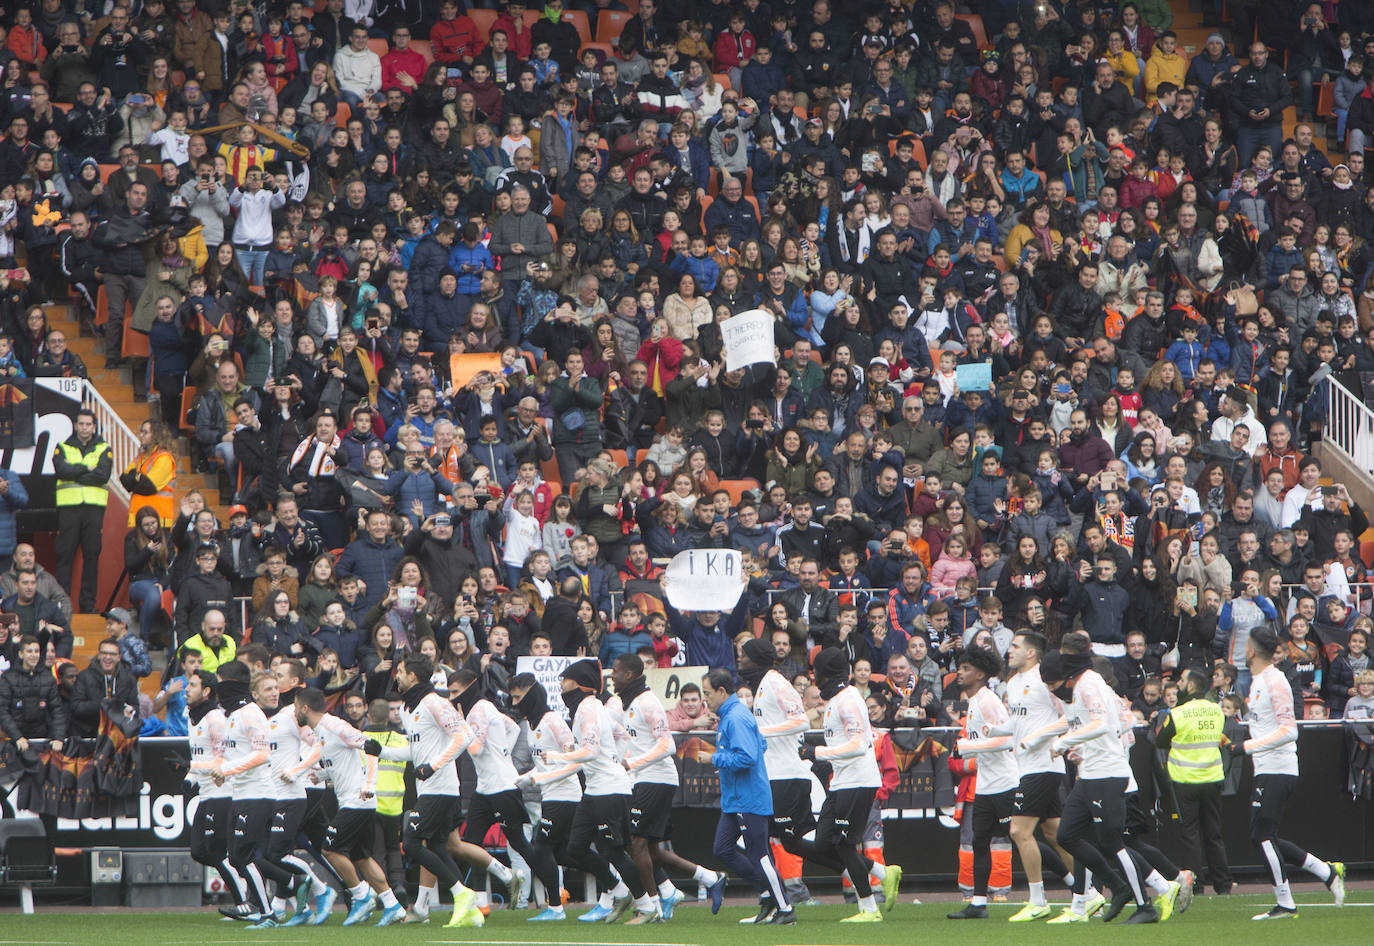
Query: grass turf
x=1211, y=919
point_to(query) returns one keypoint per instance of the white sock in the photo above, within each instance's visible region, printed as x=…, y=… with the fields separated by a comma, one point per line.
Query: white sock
x=878, y=870
x=666, y=890
x=978, y=901
x=1284, y=895
x=278, y=904
x=1079, y=904
x=317, y=886
x=423, y=898
x=646, y=904
x=359, y=892
x=388, y=898
x=456, y=889
x=704, y=876
x=1068, y=880
x=868, y=904
x=558, y=910
x=483, y=899
x=500, y=871
x=1037, y=894
x=606, y=900
x=1156, y=882
x=1317, y=868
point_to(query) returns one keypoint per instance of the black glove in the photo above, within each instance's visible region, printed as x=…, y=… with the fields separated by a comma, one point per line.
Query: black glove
x=1236, y=748
x=423, y=771
x=807, y=752
x=372, y=747
x=178, y=763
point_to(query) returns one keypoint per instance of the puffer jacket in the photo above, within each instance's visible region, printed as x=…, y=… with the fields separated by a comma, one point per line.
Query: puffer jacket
x=29, y=705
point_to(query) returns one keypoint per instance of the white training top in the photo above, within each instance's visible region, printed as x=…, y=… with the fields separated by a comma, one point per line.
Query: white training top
x=990, y=742
x=206, y=741
x=246, y=738
x=594, y=728
x=1032, y=707
x=553, y=735
x=494, y=734
x=1273, y=742
x=1097, y=733
x=849, y=742
x=285, y=737
x=649, y=747
x=346, y=766
x=431, y=728
x=782, y=721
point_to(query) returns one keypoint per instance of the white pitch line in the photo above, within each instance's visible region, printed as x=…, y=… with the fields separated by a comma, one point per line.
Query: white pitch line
x=525, y=942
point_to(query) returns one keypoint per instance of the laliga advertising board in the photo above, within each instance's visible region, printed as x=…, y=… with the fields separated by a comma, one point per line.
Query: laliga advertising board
x=36, y=414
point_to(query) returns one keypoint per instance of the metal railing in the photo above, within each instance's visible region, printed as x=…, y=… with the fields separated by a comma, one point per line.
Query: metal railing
x=1349, y=425
x=122, y=440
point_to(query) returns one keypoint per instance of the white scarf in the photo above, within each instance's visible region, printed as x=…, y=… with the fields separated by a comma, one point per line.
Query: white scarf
x=321, y=464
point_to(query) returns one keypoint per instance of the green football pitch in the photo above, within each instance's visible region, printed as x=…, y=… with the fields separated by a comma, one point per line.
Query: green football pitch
x=1211, y=920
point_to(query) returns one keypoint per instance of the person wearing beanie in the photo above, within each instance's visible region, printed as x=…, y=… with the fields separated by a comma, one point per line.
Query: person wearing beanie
x=853, y=787
x=649, y=758
x=1095, y=813
x=1273, y=749
x=603, y=818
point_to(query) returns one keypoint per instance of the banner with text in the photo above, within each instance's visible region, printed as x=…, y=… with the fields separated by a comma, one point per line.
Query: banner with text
x=747, y=339
x=705, y=580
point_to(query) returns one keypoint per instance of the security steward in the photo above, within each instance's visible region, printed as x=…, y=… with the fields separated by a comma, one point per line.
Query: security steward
x=1191, y=733
x=390, y=790
x=83, y=463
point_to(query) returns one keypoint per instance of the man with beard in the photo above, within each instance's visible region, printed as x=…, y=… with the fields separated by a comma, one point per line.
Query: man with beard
x=848, y=748
x=437, y=734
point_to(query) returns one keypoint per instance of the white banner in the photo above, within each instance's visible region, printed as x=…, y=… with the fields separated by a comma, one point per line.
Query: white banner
x=547, y=671
x=705, y=579
x=747, y=339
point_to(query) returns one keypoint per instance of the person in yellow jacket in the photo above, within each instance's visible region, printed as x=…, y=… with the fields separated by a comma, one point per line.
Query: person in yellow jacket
x=83, y=463
x=390, y=789
x=1191, y=734
x=151, y=478
x=1167, y=63
x=1123, y=61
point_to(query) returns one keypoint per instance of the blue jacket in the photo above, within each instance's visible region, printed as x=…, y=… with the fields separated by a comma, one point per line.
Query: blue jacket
x=704, y=270
x=470, y=283
x=712, y=647
x=740, y=217
x=598, y=587
x=739, y=760
x=16, y=498
x=1185, y=356
x=701, y=161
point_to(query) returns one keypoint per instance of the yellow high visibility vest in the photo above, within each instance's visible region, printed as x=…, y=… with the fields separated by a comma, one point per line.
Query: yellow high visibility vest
x=391, y=774
x=1195, y=752
x=71, y=493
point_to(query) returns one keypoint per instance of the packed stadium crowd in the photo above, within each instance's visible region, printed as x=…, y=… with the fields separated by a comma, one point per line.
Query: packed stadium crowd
x=1056, y=305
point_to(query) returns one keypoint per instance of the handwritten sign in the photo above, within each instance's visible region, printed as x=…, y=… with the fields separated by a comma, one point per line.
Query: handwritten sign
x=548, y=671
x=976, y=377
x=704, y=580
x=747, y=338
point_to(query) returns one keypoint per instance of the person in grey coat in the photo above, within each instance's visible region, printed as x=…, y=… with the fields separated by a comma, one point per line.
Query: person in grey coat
x=519, y=237
x=207, y=201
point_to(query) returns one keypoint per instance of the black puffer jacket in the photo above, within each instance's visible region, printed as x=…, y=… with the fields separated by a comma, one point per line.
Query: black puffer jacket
x=29, y=705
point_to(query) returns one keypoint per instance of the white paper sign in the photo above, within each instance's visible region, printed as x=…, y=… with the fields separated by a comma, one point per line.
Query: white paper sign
x=704, y=580
x=547, y=671
x=747, y=338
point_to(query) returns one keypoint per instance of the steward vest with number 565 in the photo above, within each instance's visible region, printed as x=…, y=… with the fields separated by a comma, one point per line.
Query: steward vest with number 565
x=72, y=493
x=391, y=775
x=1195, y=750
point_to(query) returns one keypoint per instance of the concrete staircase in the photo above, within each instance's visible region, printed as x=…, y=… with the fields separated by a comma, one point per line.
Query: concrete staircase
x=126, y=391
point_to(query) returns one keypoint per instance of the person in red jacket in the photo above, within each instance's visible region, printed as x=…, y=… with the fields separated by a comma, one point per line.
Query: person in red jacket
x=517, y=30
x=735, y=49
x=277, y=45
x=455, y=39
x=402, y=67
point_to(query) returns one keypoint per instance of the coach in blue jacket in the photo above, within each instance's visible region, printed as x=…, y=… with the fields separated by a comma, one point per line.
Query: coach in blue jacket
x=746, y=800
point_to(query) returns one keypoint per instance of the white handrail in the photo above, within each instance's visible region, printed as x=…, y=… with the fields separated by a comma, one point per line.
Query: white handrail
x=123, y=441
x=1349, y=425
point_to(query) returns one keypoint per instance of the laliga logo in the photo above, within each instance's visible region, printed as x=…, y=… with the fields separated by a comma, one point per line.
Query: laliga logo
x=166, y=815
